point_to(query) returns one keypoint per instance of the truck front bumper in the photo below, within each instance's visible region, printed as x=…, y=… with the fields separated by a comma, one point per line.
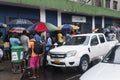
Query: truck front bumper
x=64, y=62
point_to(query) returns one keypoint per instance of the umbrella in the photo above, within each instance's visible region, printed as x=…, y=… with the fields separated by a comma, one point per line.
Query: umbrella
x=51, y=27
x=40, y=27
x=3, y=25
x=66, y=27
x=20, y=22
x=59, y=28
x=31, y=28
x=17, y=29
x=75, y=27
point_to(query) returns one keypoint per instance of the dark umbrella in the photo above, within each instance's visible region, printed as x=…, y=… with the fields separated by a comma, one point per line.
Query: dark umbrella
x=20, y=22
x=32, y=27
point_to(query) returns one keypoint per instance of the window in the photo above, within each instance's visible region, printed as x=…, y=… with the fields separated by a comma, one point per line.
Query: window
x=98, y=3
x=78, y=40
x=82, y=1
x=102, y=39
x=113, y=55
x=107, y=5
x=94, y=40
x=115, y=4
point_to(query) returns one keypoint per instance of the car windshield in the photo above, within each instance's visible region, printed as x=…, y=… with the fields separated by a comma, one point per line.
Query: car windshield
x=77, y=40
x=113, y=56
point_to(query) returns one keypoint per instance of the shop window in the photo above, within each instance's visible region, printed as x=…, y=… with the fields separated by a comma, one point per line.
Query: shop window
x=82, y=1
x=115, y=3
x=107, y=5
x=98, y=3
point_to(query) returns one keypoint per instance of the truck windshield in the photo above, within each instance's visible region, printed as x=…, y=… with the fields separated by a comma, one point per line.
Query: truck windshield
x=77, y=40
x=113, y=56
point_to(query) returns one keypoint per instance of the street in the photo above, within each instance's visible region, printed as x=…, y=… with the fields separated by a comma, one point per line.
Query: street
x=48, y=73
x=53, y=73
x=6, y=73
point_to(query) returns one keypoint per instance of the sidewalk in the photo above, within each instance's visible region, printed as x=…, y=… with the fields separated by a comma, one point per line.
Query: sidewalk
x=6, y=73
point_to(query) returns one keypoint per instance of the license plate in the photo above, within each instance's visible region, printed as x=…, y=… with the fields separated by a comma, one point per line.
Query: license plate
x=57, y=61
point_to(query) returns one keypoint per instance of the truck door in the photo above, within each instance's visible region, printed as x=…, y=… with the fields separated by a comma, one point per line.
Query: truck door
x=95, y=47
x=103, y=45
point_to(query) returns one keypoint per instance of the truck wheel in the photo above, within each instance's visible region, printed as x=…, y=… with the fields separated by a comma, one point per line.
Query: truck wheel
x=84, y=64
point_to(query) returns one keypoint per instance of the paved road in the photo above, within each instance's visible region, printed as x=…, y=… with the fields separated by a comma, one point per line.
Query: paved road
x=6, y=73
x=49, y=73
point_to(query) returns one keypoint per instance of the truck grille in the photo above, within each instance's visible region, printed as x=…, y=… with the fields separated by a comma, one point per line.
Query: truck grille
x=57, y=55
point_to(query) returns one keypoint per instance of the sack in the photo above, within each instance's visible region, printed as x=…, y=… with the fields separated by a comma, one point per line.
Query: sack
x=38, y=47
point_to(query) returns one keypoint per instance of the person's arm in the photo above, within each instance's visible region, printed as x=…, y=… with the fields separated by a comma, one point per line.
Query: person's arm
x=29, y=52
x=18, y=41
x=49, y=42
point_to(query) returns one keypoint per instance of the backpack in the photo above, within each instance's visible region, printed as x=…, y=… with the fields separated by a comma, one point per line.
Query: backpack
x=38, y=47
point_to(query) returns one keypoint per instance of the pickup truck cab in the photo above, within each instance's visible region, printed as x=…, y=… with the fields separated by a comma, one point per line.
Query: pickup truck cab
x=80, y=51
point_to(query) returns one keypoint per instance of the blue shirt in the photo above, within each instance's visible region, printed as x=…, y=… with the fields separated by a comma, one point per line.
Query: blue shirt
x=15, y=42
x=48, y=43
x=37, y=37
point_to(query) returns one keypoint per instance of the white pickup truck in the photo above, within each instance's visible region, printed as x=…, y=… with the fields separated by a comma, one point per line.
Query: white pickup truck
x=80, y=51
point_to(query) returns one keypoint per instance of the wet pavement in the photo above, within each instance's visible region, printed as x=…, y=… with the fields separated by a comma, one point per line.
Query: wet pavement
x=6, y=73
x=48, y=73
x=53, y=73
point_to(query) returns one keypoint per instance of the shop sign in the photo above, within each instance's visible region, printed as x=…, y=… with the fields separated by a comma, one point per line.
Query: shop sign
x=80, y=19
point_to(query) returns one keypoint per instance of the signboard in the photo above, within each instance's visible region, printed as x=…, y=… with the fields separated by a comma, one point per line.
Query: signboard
x=79, y=19
x=14, y=56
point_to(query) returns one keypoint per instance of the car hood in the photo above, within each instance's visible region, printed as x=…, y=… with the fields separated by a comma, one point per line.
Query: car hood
x=66, y=48
x=103, y=71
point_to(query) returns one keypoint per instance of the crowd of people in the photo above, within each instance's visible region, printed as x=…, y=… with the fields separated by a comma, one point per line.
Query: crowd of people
x=26, y=40
x=34, y=60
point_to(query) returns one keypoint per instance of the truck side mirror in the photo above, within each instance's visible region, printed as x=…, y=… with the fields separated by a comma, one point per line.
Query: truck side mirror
x=55, y=44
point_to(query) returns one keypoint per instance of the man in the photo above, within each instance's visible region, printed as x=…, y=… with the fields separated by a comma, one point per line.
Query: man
x=47, y=48
x=60, y=39
x=14, y=40
x=24, y=41
x=34, y=58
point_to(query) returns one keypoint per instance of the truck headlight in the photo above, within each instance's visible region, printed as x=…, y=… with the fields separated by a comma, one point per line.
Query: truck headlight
x=71, y=53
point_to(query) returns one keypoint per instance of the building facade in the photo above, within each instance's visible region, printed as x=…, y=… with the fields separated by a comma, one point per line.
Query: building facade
x=88, y=15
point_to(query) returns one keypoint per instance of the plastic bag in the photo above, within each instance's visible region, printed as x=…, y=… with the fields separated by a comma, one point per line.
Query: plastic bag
x=1, y=54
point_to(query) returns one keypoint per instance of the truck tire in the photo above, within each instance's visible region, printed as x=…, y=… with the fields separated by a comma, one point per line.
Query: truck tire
x=84, y=64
